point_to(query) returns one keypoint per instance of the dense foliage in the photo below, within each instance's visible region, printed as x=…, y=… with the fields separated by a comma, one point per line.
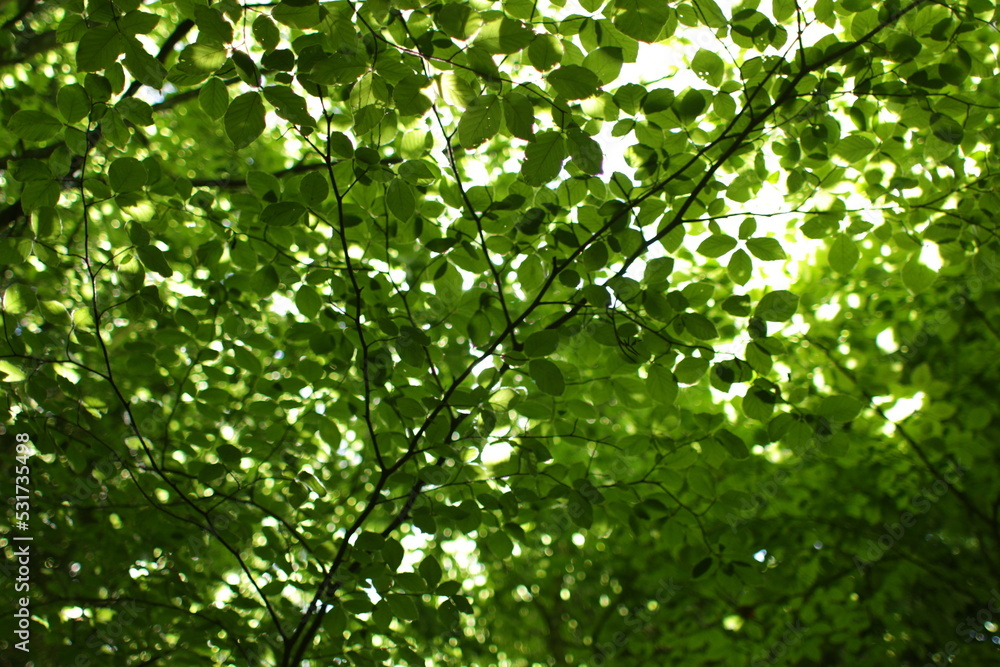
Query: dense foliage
x=468, y=333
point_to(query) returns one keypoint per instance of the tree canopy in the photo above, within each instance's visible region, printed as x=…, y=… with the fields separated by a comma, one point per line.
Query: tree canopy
x=503, y=333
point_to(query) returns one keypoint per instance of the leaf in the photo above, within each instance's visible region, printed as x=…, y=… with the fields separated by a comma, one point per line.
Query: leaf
x=840, y=409
x=547, y=376
x=740, y=267
x=710, y=13
x=643, y=20
x=246, y=68
x=154, y=259
x=98, y=49
x=917, y=278
x=126, y=174
x=18, y=299
x=144, y=67
x=214, y=98
x=777, y=306
x=716, y=245
x=844, y=254
x=606, y=62
x=314, y=188
x=854, y=148
x=480, y=122
x=767, y=249
x=545, y=52
x=212, y=27
x=34, y=125
x=573, y=82
x=708, y=66
x=585, y=152
x=245, y=119
x=506, y=35
x=541, y=343
x=519, y=114
x=400, y=200
x=290, y=105
x=266, y=33
x=732, y=443
x=699, y=326
x=430, y=570
x=701, y=567
x=500, y=544
x=543, y=158
x=690, y=369
x=73, y=102
x=661, y=384
x=283, y=214
x=138, y=23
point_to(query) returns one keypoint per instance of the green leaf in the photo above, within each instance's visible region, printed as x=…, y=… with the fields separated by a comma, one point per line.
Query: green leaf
x=777, y=306
x=519, y=114
x=430, y=570
x=839, y=409
x=844, y=254
x=480, y=122
x=606, y=62
x=732, y=443
x=740, y=267
x=11, y=372
x=289, y=105
x=782, y=9
x=642, y=20
x=308, y=301
x=699, y=326
x=266, y=33
x=212, y=27
x=126, y=174
x=214, y=98
x=154, y=259
x=855, y=148
x=245, y=119
x=716, y=245
x=99, y=48
x=400, y=200
x=708, y=66
x=767, y=249
x=143, y=66
x=661, y=384
x=500, y=545
x=545, y=52
x=246, y=68
x=18, y=299
x=409, y=96
x=690, y=369
x=701, y=567
x=710, y=13
x=138, y=23
x=544, y=156
x=73, y=102
x=585, y=152
x=34, y=125
x=574, y=82
x=917, y=278
x=541, y=343
x=547, y=376
x=314, y=188
x=504, y=36
x=283, y=214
